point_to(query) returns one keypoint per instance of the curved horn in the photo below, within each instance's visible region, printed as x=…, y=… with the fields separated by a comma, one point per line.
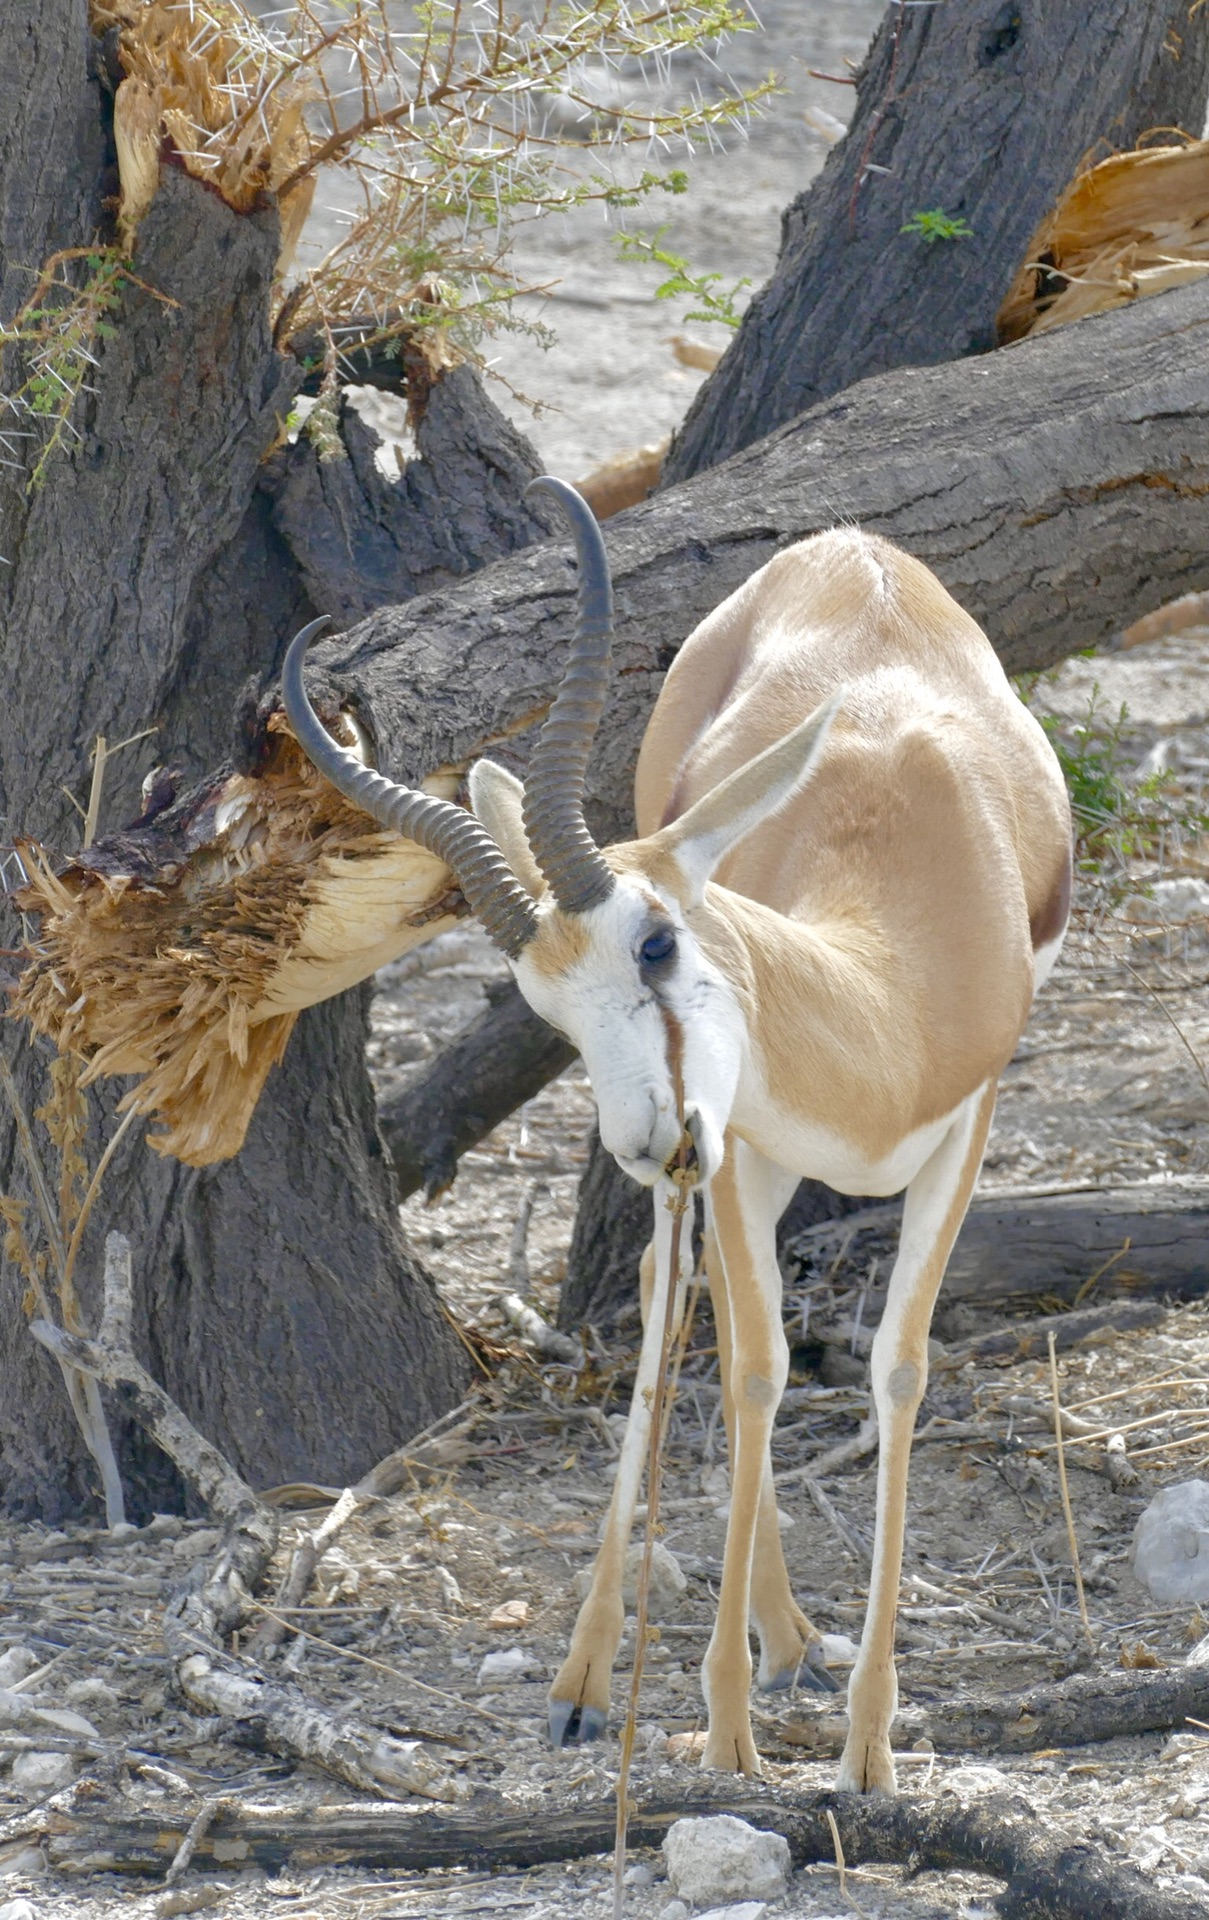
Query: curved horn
x=454, y=835
x=553, y=811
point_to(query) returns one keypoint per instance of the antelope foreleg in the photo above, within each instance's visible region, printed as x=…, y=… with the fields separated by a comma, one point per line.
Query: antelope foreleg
x=578, y=1707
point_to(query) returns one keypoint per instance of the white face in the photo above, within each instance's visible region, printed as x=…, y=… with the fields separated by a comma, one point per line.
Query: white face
x=637, y=981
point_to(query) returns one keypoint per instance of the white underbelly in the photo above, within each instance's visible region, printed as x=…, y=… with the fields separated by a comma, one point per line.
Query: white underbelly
x=815, y=1152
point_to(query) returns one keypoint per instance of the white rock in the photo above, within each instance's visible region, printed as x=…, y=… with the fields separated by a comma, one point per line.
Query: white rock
x=28, y=1860
x=746, y=1910
x=95, y=1693
x=668, y=1580
x=721, y=1859
x=715, y=1480
x=972, y=1780
x=784, y=1520
x=1170, y=1550
x=15, y=1664
x=674, y=1910
x=839, y=1650
x=18, y=1910
x=42, y=1772
x=1149, y=1847
x=191, y=1546
x=514, y=1663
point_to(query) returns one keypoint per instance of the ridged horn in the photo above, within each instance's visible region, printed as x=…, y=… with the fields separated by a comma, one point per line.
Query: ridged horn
x=553, y=811
x=455, y=836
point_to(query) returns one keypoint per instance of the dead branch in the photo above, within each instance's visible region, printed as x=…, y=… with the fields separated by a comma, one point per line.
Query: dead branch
x=1026, y=1339
x=1050, y=1874
x=216, y=1598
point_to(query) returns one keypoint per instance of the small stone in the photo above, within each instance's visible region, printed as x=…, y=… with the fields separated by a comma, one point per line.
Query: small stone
x=165, y=1526
x=510, y=1615
x=686, y=1746
x=674, y=1910
x=156, y=1698
x=745, y=1910
x=192, y=1546
x=42, y=1772
x=513, y=1664
x=1170, y=1550
x=715, y=1481
x=720, y=1858
x=784, y=1520
x=1149, y=1847
x=640, y=1875
x=123, y=1533
x=668, y=1580
x=28, y=1861
x=839, y=1650
x=95, y=1693
x=651, y=1739
x=15, y=1664
x=970, y=1781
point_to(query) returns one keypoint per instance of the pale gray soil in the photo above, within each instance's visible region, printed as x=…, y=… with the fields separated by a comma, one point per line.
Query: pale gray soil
x=1104, y=1088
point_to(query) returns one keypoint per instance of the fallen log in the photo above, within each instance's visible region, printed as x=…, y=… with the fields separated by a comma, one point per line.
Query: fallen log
x=1050, y=1873
x=1087, y=1242
x=501, y=1059
x=1056, y=487
x=1077, y=1712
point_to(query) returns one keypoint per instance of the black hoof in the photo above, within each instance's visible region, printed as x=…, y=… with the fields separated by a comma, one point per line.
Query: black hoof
x=814, y=1674
x=572, y=1725
x=780, y=1681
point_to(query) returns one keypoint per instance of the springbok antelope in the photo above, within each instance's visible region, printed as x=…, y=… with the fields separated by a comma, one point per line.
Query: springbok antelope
x=852, y=874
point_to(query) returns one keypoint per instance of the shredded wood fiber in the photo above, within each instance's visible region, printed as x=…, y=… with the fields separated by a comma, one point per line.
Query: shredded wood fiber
x=188, y=963
x=1136, y=224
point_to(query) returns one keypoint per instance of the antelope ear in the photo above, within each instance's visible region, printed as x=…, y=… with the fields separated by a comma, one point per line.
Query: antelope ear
x=496, y=798
x=727, y=814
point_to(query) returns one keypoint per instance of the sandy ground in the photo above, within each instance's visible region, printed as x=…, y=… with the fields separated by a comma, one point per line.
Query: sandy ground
x=1108, y=1084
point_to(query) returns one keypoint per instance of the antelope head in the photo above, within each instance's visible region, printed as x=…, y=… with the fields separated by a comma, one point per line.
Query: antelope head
x=601, y=942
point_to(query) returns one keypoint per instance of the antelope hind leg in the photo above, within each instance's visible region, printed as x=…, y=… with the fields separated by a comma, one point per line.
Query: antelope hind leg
x=935, y=1207
x=791, y=1646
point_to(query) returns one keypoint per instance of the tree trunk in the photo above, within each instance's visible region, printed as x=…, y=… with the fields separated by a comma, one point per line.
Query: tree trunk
x=983, y=114
x=168, y=554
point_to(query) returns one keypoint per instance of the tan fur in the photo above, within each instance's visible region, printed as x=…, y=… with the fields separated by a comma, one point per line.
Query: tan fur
x=560, y=943
x=878, y=931
x=930, y=842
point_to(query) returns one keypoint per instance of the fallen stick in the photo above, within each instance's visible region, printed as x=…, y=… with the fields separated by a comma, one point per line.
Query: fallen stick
x=1050, y=1873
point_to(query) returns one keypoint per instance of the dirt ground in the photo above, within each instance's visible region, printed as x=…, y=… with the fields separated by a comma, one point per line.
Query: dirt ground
x=1108, y=1085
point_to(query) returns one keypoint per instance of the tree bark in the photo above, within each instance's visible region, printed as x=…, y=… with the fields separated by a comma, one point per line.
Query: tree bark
x=984, y=115
x=1139, y=1239
x=167, y=556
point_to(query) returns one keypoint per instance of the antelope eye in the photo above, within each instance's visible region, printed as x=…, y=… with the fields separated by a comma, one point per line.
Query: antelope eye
x=658, y=948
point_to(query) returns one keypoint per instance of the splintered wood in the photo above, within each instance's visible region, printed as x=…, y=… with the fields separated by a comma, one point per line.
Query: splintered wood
x=183, y=951
x=1134, y=225
x=203, y=88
